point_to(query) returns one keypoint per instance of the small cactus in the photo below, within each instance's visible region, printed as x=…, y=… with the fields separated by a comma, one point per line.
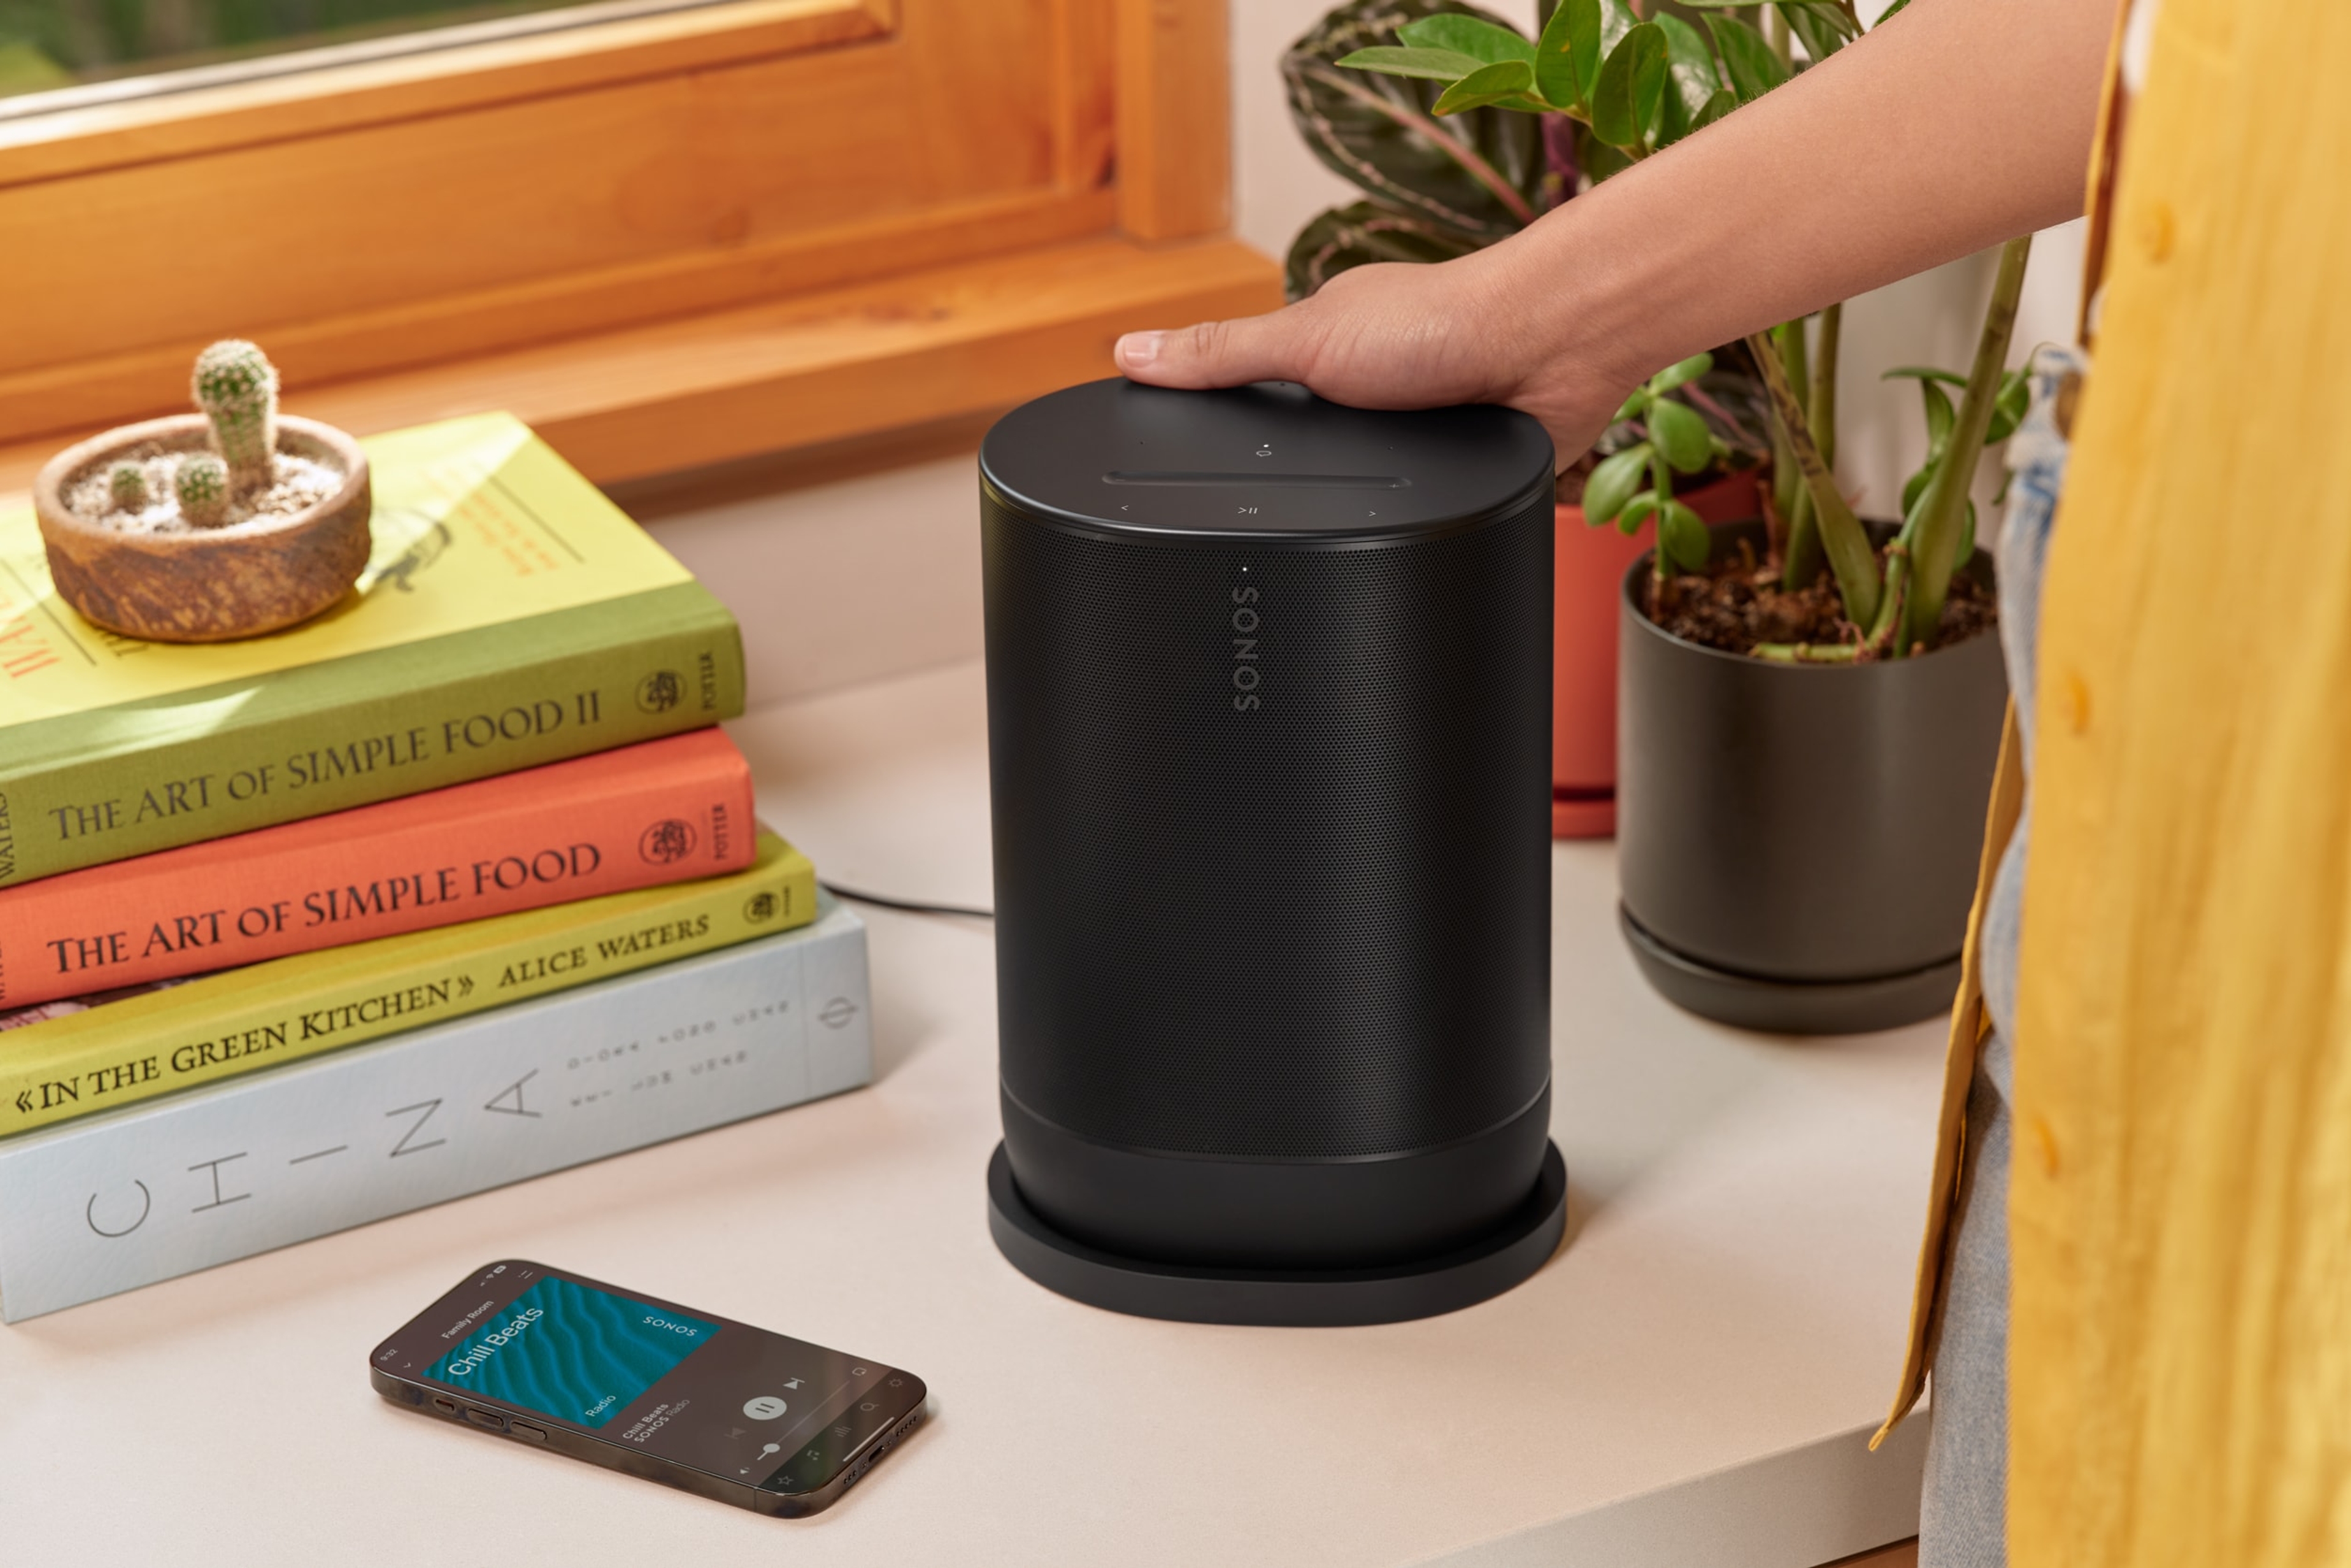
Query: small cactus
x=200, y=484
x=126, y=485
x=236, y=386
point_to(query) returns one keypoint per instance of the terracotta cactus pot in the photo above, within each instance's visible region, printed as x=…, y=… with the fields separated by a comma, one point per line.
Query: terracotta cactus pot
x=206, y=585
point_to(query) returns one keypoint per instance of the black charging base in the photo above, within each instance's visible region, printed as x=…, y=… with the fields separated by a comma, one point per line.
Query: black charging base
x=1306, y=1297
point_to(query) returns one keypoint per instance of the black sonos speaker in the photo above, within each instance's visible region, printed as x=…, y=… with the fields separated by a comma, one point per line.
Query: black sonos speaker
x=1268, y=717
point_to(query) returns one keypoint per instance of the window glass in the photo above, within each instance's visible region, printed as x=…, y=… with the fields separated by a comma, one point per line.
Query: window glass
x=56, y=53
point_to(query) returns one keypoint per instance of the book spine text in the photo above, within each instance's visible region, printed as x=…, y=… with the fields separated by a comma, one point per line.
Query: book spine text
x=662, y=811
x=111, y=1203
x=267, y=1014
x=237, y=770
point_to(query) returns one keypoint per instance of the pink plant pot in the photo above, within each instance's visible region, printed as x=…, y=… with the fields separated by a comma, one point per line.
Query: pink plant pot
x=1589, y=566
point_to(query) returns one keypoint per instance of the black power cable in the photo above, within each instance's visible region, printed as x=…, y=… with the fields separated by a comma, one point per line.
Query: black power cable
x=905, y=905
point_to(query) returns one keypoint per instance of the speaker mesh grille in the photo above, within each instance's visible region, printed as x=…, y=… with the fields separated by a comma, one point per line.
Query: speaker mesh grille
x=1313, y=929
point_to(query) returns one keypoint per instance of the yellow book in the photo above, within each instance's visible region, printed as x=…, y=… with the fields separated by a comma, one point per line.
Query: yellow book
x=508, y=616
x=241, y=1021
x=475, y=522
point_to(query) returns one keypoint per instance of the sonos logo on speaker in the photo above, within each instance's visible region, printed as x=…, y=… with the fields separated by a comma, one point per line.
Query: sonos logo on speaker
x=1246, y=675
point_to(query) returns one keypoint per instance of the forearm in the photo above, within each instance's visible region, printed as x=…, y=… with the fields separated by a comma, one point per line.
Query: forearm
x=1958, y=124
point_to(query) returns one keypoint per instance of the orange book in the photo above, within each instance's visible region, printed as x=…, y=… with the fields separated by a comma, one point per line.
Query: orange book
x=659, y=811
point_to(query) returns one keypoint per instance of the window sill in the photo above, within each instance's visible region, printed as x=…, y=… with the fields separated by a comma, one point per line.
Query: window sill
x=819, y=367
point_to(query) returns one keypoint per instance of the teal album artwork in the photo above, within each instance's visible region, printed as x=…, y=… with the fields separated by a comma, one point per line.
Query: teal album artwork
x=569, y=1351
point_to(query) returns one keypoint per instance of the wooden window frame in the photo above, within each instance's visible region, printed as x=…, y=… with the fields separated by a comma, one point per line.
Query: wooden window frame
x=717, y=333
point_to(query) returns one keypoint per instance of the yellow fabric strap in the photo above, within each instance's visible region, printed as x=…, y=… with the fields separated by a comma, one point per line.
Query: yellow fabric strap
x=1968, y=1026
x=1968, y=1020
x=2180, y=1212
x=2105, y=150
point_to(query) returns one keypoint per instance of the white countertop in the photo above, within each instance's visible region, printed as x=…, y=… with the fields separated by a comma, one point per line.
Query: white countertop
x=1689, y=1383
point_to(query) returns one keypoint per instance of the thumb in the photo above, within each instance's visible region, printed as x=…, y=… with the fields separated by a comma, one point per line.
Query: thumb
x=1218, y=353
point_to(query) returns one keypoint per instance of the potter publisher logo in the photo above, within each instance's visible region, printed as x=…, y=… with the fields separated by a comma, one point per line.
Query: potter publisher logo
x=666, y=843
x=762, y=907
x=659, y=691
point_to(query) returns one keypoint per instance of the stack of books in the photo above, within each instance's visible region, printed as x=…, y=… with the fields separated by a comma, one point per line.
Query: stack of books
x=457, y=884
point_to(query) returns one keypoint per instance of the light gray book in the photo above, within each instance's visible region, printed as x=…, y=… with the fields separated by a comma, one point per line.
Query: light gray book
x=111, y=1202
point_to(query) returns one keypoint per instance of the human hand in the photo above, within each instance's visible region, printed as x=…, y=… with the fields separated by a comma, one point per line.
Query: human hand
x=1727, y=231
x=1398, y=336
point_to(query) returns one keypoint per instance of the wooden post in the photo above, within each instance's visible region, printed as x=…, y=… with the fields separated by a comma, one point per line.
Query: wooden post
x=1175, y=119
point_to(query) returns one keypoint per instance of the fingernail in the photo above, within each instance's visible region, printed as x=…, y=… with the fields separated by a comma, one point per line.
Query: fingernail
x=1136, y=350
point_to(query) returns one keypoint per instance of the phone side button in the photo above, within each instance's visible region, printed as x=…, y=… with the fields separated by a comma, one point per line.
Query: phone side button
x=527, y=1432
x=486, y=1418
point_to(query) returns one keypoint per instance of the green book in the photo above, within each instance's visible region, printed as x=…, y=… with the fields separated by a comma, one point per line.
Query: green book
x=510, y=615
x=240, y=1020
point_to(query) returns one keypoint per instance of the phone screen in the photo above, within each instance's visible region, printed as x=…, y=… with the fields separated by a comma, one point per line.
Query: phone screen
x=681, y=1387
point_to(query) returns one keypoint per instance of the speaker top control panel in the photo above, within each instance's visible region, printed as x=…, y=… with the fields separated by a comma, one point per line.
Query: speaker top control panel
x=1261, y=462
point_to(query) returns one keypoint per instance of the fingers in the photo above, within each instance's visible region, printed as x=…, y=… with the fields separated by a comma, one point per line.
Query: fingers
x=1218, y=353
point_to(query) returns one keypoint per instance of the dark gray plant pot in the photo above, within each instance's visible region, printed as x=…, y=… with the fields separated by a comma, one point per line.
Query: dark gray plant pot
x=1797, y=845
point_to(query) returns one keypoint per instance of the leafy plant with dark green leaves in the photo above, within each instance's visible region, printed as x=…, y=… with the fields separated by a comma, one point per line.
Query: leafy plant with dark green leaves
x=1613, y=88
x=1433, y=191
x=1440, y=186
x=1635, y=84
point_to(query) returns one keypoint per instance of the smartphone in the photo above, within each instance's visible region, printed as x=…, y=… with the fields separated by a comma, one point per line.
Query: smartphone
x=646, y=1386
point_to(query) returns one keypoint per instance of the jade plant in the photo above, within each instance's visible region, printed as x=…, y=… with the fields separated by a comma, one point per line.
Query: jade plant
x=1672, y=440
